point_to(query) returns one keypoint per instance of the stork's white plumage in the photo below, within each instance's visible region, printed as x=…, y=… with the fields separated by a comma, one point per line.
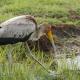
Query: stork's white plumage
x=18, y=26
x=23, y=28
x=17, y=29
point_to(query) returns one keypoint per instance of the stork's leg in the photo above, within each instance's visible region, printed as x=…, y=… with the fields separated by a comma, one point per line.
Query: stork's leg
x=32, y=56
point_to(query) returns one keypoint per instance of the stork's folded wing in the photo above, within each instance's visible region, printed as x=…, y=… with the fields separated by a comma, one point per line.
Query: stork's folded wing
x=17, y=29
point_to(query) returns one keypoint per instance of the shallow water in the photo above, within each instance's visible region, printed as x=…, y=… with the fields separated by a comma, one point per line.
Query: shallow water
x=69, y=63
x=75, y=61
x=69, y=56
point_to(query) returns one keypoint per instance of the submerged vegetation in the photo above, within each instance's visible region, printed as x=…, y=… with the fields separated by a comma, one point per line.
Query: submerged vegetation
x=23, y=67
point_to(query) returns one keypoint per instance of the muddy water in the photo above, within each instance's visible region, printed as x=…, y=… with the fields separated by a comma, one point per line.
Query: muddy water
x=69, y=56
x=69, y=63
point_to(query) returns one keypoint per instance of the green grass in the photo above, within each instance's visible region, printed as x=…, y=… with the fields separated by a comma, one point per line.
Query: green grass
x=25, y=68
x=29, y=70
x=51, y=11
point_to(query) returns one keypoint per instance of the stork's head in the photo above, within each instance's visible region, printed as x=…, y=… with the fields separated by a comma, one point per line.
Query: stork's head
x=45, y=29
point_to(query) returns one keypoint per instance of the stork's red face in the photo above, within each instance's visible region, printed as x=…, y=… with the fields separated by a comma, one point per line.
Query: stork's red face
x=48, y=31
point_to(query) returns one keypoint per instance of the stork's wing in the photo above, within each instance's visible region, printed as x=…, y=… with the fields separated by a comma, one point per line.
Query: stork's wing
x=17, y=29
